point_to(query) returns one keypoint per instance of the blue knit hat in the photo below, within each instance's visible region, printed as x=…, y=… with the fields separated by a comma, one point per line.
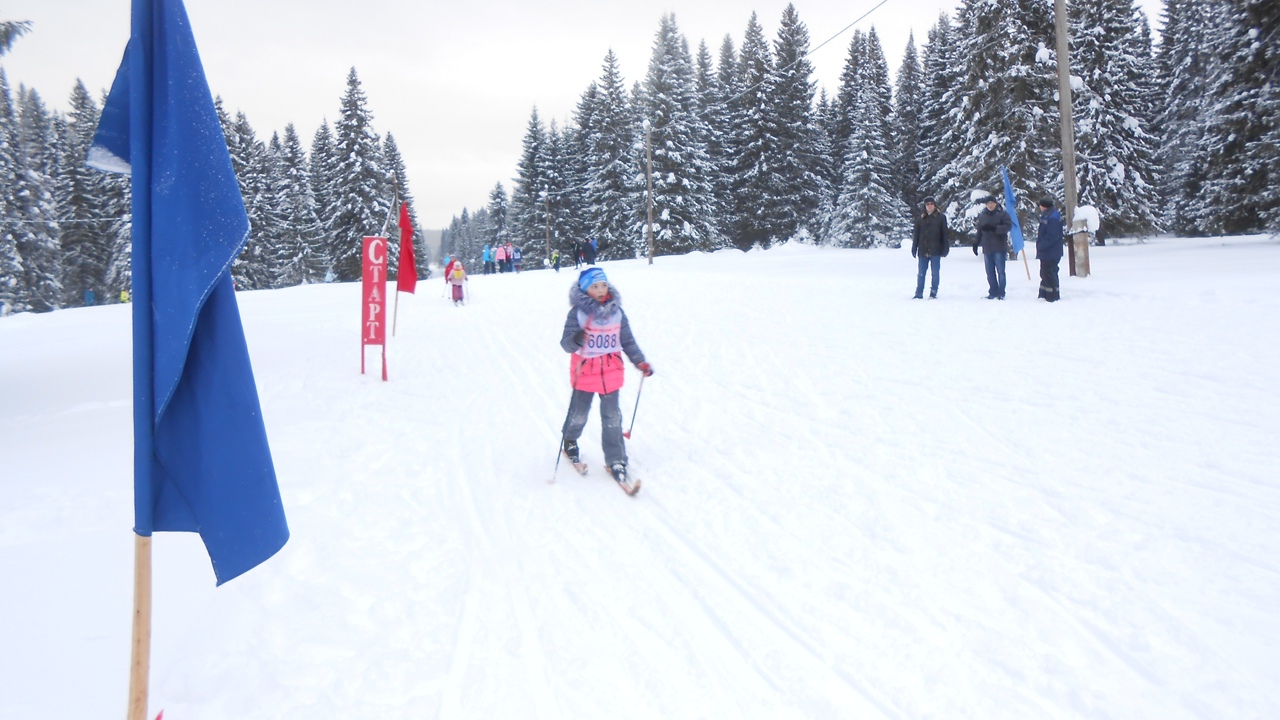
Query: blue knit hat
x=589, y=277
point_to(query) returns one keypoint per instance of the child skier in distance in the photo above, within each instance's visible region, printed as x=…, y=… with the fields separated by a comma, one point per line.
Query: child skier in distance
x=457, y=276
x=597, y=332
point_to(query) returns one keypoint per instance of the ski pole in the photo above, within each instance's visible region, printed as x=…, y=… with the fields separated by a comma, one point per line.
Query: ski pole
x=560, y=447
x=627, y=434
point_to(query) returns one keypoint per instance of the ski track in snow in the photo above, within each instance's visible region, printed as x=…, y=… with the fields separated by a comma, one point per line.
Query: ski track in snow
x=854, y=504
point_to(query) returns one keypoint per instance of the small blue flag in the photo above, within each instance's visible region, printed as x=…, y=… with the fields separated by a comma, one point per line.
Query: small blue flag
x=201, y=459
x=1011, y=207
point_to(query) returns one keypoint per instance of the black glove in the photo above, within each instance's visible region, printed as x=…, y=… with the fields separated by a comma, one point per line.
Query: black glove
x=579, y=337
x=913, y=252
x=975, y=248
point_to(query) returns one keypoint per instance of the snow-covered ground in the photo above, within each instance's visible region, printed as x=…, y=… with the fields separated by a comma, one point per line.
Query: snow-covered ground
x=855, y=504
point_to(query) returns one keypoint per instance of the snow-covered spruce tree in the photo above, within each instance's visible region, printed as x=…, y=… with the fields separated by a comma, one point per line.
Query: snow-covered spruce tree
x=498, y=208
x=941, y=96
x=1186, y=64
x=846, y=96
x=827, y=157
x=274, y=211
x=112, y=204
x=13, y=288
x=611, y=194
x=1242, y=158
x=908, y=108
x=867, y=211
x=302, y=224
x=251, y=269
x=526, y=221
x=1115, y=151
x=754, y=143
x=721, y=110
x=86, y=231
x=34, y=203
x=11, y=31
x=400, y=188
x=839, y=125
x=684, y=207
x=1007, y=112
x=361, y=203
x=561, y=201
x=322, y=167
x=710, y=109
x=794, y=193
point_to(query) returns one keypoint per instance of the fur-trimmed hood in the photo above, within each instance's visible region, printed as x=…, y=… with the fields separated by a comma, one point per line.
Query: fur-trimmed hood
x=580, y=300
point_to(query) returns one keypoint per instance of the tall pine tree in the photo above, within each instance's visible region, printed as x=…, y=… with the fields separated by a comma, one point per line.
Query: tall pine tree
x=908, y=109
x=1115, y=151
x=684, y=205
x=362, y=206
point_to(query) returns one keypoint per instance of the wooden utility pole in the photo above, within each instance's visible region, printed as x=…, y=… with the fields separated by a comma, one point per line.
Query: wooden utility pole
x=546, y=198
x=648, y=147
x=1079, y=255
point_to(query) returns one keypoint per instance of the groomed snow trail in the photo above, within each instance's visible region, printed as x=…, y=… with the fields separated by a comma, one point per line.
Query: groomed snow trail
x=855, y=505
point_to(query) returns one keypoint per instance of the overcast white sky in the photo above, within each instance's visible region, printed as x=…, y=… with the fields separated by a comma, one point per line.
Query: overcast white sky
x=454, y=81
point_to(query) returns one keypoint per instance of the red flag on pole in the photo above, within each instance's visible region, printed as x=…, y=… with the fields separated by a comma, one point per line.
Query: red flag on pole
x=407, y=277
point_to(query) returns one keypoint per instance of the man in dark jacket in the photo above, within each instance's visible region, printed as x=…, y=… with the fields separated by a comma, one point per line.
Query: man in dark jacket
x=1049, y=249
x=993, y=225
x=929, y=246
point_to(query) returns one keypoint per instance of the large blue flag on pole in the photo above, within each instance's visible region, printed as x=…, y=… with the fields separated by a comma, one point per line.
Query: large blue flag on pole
x=201, y=459
x=1011, y=207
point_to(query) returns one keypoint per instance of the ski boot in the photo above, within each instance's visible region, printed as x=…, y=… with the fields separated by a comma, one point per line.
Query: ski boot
x=619, y=473
x=570, y=450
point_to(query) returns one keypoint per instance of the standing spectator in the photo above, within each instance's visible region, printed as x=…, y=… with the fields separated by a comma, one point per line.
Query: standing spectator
x=89, y=297
x=1049, y=240
x=516, y=257
x=588, y=253
x=486, y=256
x=510, y=254
x=929, y=246
x=555, y=260
x=500, y=257
x=993, y=225
x=124, y=296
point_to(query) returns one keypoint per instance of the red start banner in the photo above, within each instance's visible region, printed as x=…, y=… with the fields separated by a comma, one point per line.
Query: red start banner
x=373, y=310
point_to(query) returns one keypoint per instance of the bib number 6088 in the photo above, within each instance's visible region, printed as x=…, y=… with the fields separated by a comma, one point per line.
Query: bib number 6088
x=602, y=342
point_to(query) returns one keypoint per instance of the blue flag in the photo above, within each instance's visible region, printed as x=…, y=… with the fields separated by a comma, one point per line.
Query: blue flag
x=1011, y=207
x=201, y=459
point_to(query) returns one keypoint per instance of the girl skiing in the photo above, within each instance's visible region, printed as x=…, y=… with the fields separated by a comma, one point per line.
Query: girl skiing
x=597, y=332
x=457, y=276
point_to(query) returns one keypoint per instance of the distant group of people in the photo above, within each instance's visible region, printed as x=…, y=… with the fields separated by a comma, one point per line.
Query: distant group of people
x=585, y=253
x=502, y=258
x=91, y=298
x=931, y=243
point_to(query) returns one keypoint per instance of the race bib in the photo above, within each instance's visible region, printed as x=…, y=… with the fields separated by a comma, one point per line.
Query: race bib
x=602, y=339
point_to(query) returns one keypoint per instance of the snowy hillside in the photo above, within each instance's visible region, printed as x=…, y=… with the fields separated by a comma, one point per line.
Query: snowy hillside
x=855, y=504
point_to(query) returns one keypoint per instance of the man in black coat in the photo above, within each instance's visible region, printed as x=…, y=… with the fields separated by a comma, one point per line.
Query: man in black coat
x=993, y=225
x=929, y=246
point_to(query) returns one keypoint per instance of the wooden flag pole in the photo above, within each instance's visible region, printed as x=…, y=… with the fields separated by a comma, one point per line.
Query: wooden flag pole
x=140, y=666
x=1025, y=264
